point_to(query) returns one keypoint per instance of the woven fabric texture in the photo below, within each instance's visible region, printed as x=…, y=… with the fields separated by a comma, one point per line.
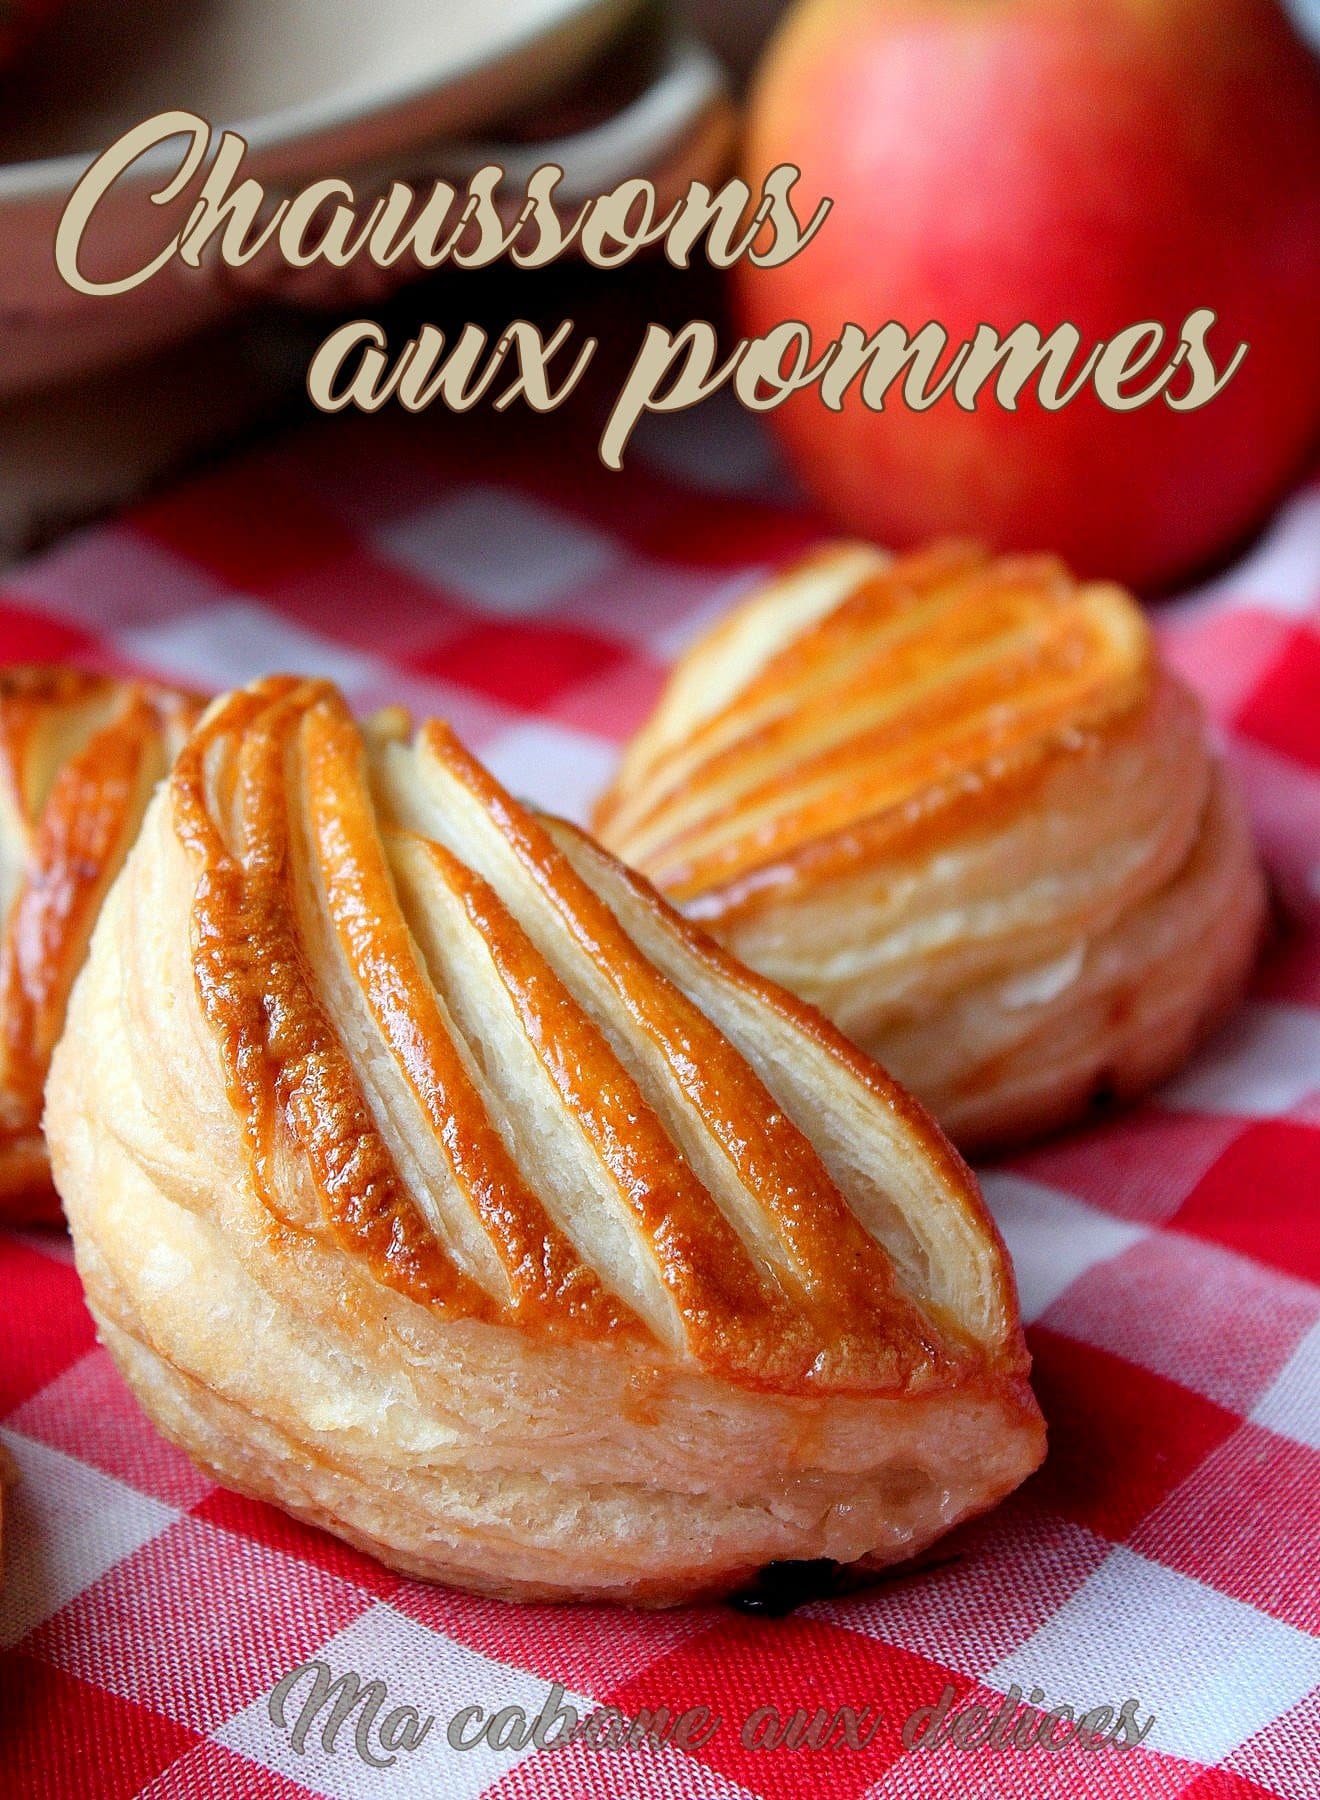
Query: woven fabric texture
x=1169, y=1552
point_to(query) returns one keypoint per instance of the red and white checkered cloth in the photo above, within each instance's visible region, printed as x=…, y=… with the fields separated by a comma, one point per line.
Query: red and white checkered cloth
x=1168, y=1261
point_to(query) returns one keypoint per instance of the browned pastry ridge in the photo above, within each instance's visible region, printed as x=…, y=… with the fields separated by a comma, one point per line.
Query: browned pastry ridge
x=957, y=803
x=79, y=756
x=431, y=1178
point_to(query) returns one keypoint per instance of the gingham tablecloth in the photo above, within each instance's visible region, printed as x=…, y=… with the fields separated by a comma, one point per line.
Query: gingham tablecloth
x=1169, y=1552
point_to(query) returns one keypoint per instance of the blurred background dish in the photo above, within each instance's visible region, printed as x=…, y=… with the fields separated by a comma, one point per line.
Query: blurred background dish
x=315, y=87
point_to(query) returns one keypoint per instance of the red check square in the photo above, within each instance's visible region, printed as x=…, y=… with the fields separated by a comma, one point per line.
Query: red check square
x=748, y=1665
x=56, y=1328
x=1225, y=654
x=68, y=1739
x=527, y=666
x=1282, y=711
x=1121, y=1438
x=247, y=524
x=723, y=531
x=1224, y=1784
x=1249, y=1199
x=211, y=1771
x=37, y=637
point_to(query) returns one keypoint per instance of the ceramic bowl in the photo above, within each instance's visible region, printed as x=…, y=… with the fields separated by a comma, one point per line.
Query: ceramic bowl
x=316, y=87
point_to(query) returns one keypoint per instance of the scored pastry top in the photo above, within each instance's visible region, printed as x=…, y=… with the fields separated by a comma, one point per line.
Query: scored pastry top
x=497, y=1070
x=861, y=705
x=79, y=756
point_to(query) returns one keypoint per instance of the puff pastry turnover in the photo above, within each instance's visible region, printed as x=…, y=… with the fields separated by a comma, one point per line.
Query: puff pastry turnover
x=958, y=804
x=431, y=1178
x=79, y=756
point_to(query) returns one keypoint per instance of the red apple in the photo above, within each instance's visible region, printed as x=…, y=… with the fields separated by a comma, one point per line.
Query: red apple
x=1102, y=162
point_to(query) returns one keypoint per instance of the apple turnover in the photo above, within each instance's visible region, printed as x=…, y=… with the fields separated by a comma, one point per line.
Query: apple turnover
x=957, y=803
x=430, y=1177
x=79, y=756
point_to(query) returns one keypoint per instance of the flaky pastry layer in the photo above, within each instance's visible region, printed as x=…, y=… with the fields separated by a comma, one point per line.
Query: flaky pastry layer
x=430, y=1177
x=957, y=803
x=79, y=756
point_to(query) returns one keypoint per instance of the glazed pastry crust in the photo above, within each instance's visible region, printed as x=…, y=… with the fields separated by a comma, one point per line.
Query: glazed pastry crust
x=958, y=804
x=431, y=1178
x=79, y=756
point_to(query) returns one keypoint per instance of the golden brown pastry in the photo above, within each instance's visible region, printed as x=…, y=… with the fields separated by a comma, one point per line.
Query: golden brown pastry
x=79, y=756
x=429, y=1177
x=956, y=803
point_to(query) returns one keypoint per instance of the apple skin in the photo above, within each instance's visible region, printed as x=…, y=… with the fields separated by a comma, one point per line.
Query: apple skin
x=1102, y=162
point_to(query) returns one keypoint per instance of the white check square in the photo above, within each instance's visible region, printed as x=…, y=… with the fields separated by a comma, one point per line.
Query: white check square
x=422, y=1669
x=114, y=579
x=1212, y=1670
x=1052, y=1238
x=225, y=645
x=717, y=448
x=1291, y=1403
x=553, y=767
x=65, y=1525
x=503, y=551
x=1263, y=1062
